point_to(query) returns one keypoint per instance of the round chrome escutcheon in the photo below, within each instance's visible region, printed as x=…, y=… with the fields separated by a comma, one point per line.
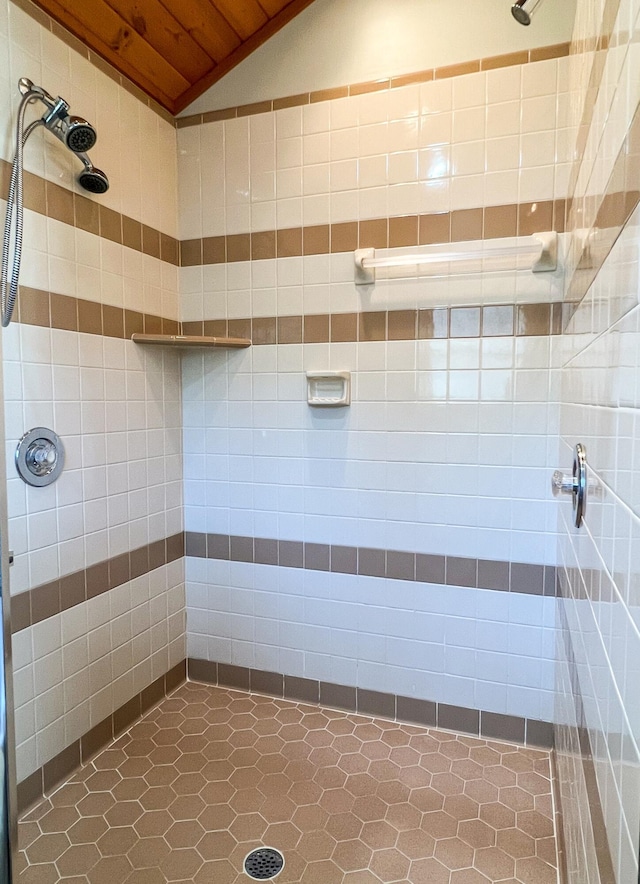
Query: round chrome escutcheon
x=40, y=457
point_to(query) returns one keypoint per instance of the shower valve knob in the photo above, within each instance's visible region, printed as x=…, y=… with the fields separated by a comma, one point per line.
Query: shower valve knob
x=574, y=484
x=561, y=484
x=40, y=456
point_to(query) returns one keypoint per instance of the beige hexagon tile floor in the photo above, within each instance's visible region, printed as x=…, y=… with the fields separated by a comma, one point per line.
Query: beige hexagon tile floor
x=210, y=774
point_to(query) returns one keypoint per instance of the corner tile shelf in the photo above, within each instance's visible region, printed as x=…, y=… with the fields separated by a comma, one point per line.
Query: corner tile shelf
x=191, y=341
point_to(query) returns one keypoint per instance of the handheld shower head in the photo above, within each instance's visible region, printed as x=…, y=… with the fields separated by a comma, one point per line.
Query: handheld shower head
x=92, y=179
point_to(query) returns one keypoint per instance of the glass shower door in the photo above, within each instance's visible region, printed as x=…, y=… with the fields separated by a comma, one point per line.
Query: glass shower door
x=8, y=797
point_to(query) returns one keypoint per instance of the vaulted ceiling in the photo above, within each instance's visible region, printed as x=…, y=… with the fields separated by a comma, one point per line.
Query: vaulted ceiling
x=173, y=49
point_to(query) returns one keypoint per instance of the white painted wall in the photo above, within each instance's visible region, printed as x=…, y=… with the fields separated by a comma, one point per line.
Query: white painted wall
x=337, y=42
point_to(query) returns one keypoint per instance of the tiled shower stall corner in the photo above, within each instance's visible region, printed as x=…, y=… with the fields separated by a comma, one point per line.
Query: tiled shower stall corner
x=405, y=663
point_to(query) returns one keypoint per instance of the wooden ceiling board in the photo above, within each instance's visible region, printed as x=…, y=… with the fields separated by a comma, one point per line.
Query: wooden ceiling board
x=173, y=50
x=206, y=25
x=273, y=7
x=245, y=16
x=102, y=29
x=157, y=26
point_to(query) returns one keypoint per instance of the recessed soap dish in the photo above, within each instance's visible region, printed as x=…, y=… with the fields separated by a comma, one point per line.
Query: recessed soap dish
x=329, y=389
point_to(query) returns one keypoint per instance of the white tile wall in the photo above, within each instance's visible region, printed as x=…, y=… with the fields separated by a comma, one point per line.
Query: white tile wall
x=474, y=648
x=116, y=407
x=70, y=261
x=489, y=138
x=325, y=283
x=600, y=391
x=73, y=670
x=599, y=408
x=446, y=447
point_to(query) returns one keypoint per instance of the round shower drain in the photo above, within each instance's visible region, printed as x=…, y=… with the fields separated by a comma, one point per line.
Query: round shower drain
x=263, y=863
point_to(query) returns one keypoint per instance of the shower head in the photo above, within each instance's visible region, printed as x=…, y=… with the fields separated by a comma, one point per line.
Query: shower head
x=523, y=10
x=92, y=179
x=74, y=132
x=78, y=135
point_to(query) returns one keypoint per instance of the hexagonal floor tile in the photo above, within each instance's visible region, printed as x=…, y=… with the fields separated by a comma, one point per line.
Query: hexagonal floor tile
x=210, y=774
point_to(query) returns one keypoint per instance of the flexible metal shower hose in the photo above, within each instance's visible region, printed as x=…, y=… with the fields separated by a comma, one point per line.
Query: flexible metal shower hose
x=9, y=287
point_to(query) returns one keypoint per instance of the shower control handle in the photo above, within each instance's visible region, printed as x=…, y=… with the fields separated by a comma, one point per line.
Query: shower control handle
x=561, y=484
x=574, y=484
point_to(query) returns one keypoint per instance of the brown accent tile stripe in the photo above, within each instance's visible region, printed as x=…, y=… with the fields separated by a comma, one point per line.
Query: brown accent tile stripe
x=490, y=222
x=543, y=53
x=53, y=201
x=494, y=320
x=398, y=565
x=48, y=777
x=97, y=61
x=474, y=722
x=49, y=310
x=59, y=595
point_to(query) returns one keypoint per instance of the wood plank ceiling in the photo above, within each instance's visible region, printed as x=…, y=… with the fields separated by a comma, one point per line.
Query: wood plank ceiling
x=173, y=49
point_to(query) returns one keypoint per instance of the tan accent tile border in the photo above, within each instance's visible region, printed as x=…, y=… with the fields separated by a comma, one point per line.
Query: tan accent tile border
x=509, y=59
x=53, y=201
x=50, y=310
x=49, y=599
x=516, y=577
x=48, y=777
x=490, y=222
x=97, y=61
x=493, y=320
x=408, y=710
